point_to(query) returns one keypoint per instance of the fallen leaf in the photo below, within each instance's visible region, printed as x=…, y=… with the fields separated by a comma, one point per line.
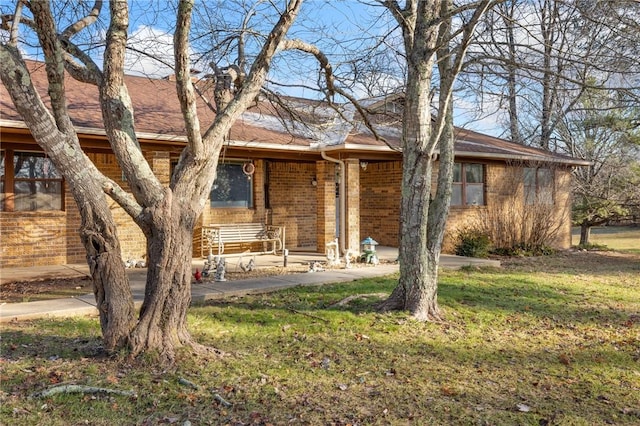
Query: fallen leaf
x=447, y=391
x=564, y=359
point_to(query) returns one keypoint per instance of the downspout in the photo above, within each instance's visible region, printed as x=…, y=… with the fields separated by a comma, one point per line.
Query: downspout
x=342, y=198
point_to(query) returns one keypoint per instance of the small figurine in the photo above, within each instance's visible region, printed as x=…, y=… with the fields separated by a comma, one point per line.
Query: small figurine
x=220, y=270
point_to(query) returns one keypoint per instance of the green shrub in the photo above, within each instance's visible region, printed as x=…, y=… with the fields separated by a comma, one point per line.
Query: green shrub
x=472, y=243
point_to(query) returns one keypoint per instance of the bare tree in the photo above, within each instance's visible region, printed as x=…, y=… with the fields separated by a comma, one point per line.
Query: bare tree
x=535, y=60
x=428, y=34
x=166, y=214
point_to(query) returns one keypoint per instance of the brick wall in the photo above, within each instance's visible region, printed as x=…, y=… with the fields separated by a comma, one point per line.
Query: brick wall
x=49, y=238
x=32, y=238
x=380, y=187
x=294, y=201
x=563, y=202
x=505, y=206
x=380, y=202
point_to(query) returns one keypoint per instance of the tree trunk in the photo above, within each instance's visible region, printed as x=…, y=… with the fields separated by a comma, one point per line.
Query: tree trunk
x=110, y=281
x=511, y=77
x=162, y=321
x=585, y=233
x=417, y=286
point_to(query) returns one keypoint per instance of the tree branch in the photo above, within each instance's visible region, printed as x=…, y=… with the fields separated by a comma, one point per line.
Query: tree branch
x=80, y=389
x=13, y=34
x=255, y=79
x=469, y=29
x=79, y=25
x=122, y=197
x=118, y=114
x=332, y=89
x=54, y=63
x=184, y=85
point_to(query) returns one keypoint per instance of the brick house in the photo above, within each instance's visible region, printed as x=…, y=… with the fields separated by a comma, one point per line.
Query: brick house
x=320, y=184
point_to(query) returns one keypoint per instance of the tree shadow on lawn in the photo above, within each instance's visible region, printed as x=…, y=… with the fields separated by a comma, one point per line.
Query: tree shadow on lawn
x=525, y=296
x=571, y=262
x=499, y=296
x=19, y=344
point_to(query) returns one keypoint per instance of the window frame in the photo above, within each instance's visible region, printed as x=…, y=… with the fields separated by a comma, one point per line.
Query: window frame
x=9, y=181
x=534, y=190
x=249, y=203
x=463, y=184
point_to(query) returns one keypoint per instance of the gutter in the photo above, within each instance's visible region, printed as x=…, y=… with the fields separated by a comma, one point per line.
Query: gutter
x=469, y=154
x=572, y=162
x=341, y=195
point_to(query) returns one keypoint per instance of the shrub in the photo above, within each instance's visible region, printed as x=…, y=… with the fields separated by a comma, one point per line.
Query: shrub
x=472, y=243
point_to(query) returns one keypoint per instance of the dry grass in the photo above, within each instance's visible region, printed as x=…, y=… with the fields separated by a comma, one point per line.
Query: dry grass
x=543, y=341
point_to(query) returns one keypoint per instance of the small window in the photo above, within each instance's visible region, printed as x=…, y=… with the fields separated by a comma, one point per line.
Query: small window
x=468, y=185
x=233, y=186
x=538, y=186
x=37, y=184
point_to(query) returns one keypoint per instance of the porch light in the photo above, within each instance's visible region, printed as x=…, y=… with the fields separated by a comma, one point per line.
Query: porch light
x=368, y=250
x=363, y=165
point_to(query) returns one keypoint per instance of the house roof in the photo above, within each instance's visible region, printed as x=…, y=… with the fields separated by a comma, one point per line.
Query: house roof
x=158, y=118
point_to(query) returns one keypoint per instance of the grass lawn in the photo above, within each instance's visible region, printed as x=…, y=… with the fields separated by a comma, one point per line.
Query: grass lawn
x=624, y=238
x=542, y=341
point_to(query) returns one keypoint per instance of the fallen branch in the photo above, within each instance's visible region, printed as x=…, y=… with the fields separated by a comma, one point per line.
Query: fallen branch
x=221, y=400
x=80, y=389
x=185, y=382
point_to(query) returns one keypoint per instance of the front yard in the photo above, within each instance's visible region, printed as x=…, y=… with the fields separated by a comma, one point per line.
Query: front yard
x=542, y=341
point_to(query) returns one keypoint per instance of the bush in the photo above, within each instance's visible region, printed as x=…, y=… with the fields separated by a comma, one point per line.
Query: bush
x=472, y=243
x=522, y=250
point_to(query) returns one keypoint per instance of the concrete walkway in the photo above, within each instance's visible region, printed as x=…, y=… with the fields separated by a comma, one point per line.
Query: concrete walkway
x=207, y=290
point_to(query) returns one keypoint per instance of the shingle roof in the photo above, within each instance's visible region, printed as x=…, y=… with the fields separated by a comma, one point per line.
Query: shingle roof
x=157, y=113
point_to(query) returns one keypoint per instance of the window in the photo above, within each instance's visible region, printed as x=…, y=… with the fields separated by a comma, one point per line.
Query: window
x=468, y=185
x=538, y=186
x=31, y=183
x=233, y=186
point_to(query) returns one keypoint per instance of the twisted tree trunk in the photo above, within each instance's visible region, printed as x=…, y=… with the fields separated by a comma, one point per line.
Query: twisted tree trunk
x=162, y=322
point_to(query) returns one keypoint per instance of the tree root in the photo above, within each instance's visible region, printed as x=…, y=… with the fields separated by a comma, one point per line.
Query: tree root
x=391, y=304
x=80, y=389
